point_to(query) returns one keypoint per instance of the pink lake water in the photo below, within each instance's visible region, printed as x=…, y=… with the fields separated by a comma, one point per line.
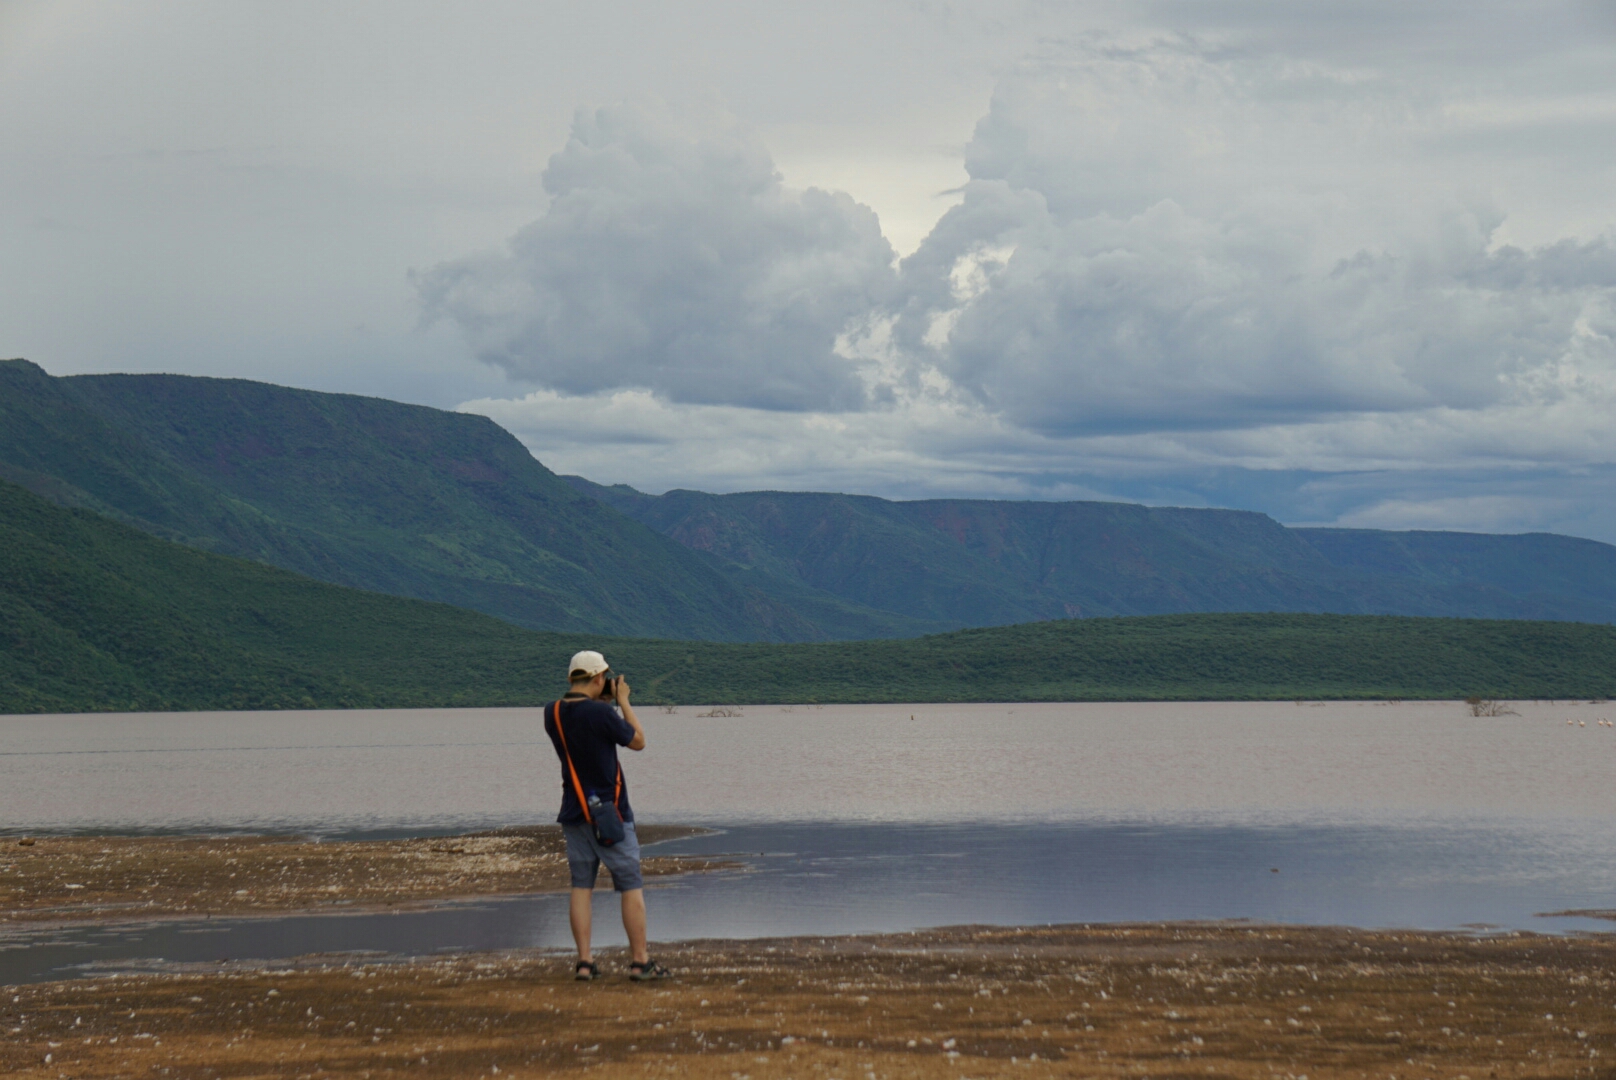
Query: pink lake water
x=359, y=771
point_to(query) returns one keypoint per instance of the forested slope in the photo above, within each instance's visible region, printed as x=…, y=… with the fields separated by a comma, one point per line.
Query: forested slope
x=95, y=615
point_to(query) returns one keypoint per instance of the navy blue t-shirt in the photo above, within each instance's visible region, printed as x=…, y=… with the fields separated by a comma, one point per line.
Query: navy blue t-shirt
x=594, y=731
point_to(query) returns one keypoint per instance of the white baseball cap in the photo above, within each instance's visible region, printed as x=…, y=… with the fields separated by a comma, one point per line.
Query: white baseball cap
x=587, y=664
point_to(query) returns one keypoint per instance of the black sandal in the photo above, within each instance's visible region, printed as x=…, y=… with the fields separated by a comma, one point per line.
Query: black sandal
x=647, y=971
x=584, y=970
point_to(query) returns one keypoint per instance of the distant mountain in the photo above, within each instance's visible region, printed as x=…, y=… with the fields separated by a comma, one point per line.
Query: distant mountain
x=95, y=615
x=985, y=563
x=388, y=497
x=450, y=507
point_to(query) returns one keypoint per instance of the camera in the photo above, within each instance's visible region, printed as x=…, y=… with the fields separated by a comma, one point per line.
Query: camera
x=608, y=690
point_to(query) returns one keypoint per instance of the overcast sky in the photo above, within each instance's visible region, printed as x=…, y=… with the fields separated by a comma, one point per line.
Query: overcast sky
x=1344, y=263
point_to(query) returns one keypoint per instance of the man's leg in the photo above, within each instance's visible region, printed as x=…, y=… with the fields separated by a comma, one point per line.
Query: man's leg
x=580, y=911
x=633, y=924
x=583, y=863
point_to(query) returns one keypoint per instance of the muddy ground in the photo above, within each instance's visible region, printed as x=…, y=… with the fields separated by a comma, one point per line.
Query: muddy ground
x=1125, y=1001
x=72, y=878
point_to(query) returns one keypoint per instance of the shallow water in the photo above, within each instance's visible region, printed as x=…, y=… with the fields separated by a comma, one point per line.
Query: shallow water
x=862, y=819
x=825, y=878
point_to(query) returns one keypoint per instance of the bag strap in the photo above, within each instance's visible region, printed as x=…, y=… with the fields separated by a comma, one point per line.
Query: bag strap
x=577, y=787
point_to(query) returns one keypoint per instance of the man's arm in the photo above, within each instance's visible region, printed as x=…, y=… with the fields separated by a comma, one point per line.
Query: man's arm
x=638, y=742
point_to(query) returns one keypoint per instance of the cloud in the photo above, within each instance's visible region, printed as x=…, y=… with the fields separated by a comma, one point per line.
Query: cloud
x=923, y=447
x=1160, y=237
x=1492, y=470
x=1181, y=272
x=672, y=257
x=1464, y=513
x=1170, y=238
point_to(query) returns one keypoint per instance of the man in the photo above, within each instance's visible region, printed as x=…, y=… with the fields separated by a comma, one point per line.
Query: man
x=590, y=733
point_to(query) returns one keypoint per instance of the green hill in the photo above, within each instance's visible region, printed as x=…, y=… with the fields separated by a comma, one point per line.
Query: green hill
x=971, y=562
x=387, y=497
x=96, y=615
x=446, y=506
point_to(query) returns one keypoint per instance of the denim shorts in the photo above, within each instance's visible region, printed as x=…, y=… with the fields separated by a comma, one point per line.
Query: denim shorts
x=584, y=857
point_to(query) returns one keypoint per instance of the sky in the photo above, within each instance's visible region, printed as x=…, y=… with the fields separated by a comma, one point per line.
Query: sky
x=1343, y=263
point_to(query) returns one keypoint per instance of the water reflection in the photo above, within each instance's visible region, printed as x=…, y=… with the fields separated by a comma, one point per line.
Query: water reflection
x=818, y=878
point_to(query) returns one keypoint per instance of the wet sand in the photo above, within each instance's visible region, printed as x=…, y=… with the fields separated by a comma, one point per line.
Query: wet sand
x=79, y=878
x=1157, y=1000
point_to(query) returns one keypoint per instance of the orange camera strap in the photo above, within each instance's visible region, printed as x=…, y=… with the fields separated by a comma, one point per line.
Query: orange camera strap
x=577, y=787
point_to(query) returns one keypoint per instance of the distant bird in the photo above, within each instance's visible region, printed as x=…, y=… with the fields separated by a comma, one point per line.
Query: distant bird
x=1571, y=721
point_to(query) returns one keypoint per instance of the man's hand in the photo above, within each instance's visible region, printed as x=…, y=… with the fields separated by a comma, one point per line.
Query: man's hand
x=622, y=690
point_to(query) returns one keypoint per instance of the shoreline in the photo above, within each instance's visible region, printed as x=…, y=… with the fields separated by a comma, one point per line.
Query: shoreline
x=1279, y=696
x=1226, y=999
x=110, y=879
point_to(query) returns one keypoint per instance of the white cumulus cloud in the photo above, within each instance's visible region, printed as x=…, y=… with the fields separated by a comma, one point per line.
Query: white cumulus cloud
x=1180, y=271
x=672, y=257
x=1170, y=238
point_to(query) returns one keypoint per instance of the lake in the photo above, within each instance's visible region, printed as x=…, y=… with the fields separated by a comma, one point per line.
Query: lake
x=872, y=818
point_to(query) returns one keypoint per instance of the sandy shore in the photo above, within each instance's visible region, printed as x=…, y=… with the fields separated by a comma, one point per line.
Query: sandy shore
x=1157, y=1000
x=77, y=878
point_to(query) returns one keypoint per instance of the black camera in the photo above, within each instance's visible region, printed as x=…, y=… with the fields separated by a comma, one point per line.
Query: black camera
x=608, y=690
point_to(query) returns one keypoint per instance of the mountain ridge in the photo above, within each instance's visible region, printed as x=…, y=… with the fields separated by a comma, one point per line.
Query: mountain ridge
x=450, y=507
x=988, y=562
x=374, y=494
